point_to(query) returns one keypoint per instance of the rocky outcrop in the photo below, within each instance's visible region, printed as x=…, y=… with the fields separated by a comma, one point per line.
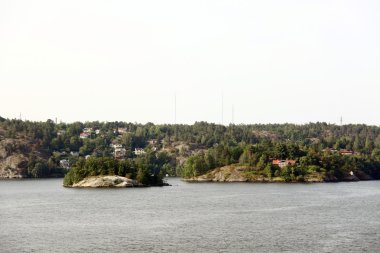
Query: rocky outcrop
x=229, y=173
x=350, y=178
x=14, y=166
x=363, y=176
x=107, y=182
x=13, y=160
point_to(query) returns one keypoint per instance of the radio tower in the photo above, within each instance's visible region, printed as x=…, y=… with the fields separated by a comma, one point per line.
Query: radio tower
x=222, y=108
x=233, y=114
x=175, y=109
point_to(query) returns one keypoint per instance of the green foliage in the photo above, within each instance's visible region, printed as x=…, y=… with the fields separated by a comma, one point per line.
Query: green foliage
x=94, y=166
x=269, y=170
x=39, y=170
x=215, y=146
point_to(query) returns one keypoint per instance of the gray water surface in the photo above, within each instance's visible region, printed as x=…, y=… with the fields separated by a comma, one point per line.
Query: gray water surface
x=42, y=216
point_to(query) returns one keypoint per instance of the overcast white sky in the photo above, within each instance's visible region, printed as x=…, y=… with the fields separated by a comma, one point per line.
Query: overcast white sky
x=273, y=60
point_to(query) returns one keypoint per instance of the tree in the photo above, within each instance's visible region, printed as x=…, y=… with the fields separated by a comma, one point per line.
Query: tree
x=369, y=145
x=269, y=170
x=357, y=145
x=39, y=170
x=377, y=141
x=142, y=176
x=75, y=143
x=281, y=151
x=262, y=162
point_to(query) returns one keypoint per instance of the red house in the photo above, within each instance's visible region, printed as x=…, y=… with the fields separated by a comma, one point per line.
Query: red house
x=283, y=163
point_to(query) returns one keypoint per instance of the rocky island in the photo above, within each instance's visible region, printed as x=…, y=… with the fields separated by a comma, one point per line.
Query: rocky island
x=106, y=172
x=238, y=173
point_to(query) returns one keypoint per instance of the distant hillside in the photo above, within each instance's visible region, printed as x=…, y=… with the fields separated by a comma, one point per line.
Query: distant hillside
x=193, y=150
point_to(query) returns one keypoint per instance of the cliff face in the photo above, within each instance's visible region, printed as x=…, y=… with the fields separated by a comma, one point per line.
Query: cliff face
x=14, y=157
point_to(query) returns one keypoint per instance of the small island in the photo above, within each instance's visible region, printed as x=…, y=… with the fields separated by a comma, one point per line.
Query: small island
x=238, y=173
x=106, y=172
x=279, y=162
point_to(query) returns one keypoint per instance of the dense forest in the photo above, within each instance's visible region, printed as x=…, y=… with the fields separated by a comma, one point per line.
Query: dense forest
x=191, y=150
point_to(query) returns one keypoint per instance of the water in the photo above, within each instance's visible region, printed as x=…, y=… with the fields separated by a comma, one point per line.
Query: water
x=42, y=216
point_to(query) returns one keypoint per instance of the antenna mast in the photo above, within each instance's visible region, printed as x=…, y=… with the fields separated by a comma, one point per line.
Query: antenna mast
x=233, y=116
x=175, y=108
x=222, y=107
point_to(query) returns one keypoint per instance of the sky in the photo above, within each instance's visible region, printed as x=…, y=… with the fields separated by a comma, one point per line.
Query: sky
x=222, y=61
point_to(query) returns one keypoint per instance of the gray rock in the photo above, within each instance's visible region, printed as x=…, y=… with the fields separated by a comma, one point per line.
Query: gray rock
x=106, y=182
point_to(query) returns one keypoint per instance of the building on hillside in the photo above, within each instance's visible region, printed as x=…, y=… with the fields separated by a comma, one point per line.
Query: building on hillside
x=72, y=153
x=283, y=163
x=64, y=164
x=341, y=151
x=120, y=130
x=346, y=152
x=115, y=146
x=88, y=130
x=139, y=151
x=330, y=150
x=153, y=142
x=84, y=135
x=119, y=153
x=61, y=132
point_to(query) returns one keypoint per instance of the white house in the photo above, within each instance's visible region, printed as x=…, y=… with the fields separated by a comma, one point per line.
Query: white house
x=72, y=153
x=64, y=164
x=119, y=153
x=87, y=130
x=283, y=163
x=139, y=151
x=116, y=146
x=61, y=132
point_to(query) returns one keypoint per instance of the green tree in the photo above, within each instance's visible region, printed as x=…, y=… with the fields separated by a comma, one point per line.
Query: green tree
x=269, y=170
x=40, y=170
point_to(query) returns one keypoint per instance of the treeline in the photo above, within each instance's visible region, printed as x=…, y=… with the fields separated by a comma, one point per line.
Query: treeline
x=253, y=145
x=360, y=138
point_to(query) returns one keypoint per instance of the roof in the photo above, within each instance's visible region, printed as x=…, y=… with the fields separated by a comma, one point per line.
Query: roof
x=277, y=162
